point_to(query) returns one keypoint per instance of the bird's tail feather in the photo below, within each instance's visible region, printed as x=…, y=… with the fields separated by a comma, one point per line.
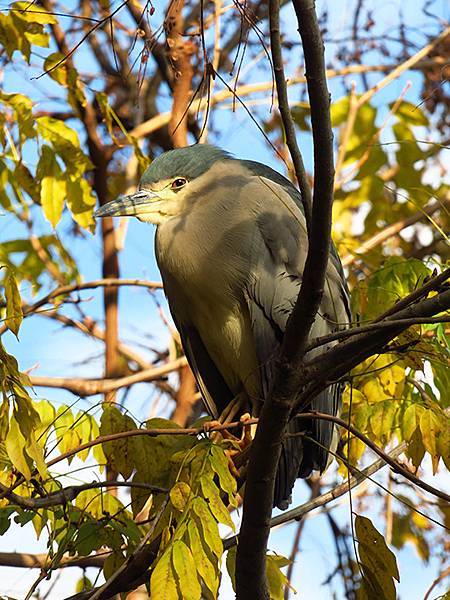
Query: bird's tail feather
x=305, y=447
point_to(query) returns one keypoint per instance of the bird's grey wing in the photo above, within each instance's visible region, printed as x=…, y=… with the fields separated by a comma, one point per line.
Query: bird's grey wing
x=279, y=261
x=215, y=392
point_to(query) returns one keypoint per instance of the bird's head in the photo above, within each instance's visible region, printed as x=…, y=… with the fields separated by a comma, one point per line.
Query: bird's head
x=165, y=184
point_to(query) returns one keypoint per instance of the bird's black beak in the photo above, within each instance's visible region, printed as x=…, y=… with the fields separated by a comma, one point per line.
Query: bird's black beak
x=127, y=206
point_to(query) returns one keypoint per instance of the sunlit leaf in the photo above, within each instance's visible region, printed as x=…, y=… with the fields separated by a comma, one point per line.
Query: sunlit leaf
x=179, y=495
x=186, y=571
x=14, y=314
x=162, y=580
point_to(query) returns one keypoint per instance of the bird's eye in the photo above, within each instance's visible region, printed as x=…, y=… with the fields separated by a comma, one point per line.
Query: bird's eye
x=178, y=183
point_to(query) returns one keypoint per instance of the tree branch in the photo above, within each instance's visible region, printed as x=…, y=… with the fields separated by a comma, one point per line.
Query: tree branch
x=76, y=287
x=266, y=448
x=299, y=512
x=391, y=230
x=89, y=387
x=40, y=561
x=162, y=119
x=285, y=111
x=68, y=494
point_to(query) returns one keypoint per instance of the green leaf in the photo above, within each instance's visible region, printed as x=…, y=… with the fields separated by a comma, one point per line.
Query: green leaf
x=208, y=525
x=374, y=554
x=231, y=565
x=416, y=449
x=162, y=580
x=339, y=111
x=394, y=280
x=216, y=506
x=186, y=570
x=410, y=113
x=81, y=202
x=430, y=428
x=88, y=538
x=219, y=463
x=14, y=313
x=409, y=151
x=121, y=452
x=179, y=495
x=205, y=567
x=15, y=444
x=34, y=13
x=276, y=579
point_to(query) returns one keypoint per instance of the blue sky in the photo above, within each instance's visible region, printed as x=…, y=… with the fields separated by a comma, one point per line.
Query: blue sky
x=50, y=350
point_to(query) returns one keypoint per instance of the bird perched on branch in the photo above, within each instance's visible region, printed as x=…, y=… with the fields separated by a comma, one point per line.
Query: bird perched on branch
x=231, y=245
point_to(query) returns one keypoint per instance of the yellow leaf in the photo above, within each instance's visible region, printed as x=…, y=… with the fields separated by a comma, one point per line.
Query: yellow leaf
x=162, y=581
x=208, y=525
x=81, y=202
x=430, y=428
x=411, y=420
x=53, y=186
x=186, y=571
x=374, y=392
x=219, y=463
x=14, y=314
x=276, y=579
x=217, y=507
x=179, y=495
x=204, y=566
x=15, y=445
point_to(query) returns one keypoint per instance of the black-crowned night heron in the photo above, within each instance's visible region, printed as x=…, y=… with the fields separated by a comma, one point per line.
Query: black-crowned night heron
x=231, y=245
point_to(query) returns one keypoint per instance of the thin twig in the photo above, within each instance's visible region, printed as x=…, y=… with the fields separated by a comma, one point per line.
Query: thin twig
x=68, y=494
x=285, y=111
x=102, y=590
x=90, y=387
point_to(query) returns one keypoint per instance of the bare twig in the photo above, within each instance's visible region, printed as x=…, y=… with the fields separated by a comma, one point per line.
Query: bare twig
x=285, y=112
x=162, y=119
x=392, y=230
x=26, y=560
x=68, y=494
x=89, y=387
x=103, y=591
x=89, y=285
x=298, y=512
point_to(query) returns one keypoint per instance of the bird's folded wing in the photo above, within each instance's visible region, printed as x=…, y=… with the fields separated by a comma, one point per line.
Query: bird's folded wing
x=215, y=392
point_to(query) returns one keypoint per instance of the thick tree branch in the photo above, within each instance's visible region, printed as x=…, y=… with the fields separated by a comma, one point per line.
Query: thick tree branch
x=266, y=448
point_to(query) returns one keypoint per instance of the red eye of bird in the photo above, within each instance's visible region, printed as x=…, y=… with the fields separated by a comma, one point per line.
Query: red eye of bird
x=178, y=183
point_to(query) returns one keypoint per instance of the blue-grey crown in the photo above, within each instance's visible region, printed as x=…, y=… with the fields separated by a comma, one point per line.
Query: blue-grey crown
x=189, y=162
